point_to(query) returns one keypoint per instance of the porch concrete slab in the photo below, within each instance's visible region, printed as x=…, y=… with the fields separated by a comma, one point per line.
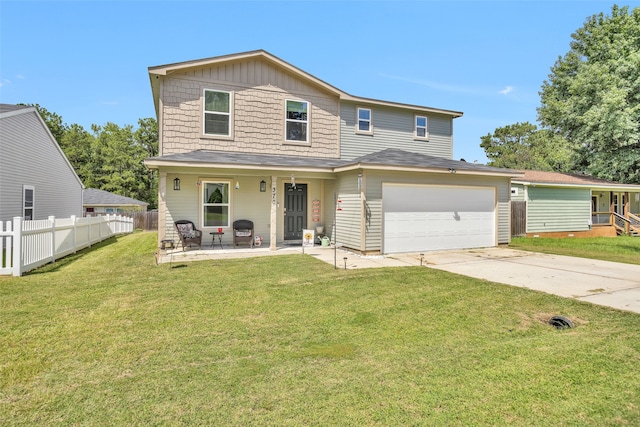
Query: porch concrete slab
x=600, y=282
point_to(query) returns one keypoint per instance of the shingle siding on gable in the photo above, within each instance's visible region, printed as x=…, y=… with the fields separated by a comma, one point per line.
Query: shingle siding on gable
x=393, y=128
x=259, y=93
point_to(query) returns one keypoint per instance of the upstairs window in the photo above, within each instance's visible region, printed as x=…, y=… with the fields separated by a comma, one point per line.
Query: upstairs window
x=28, y=198
x=421, y=128
x=364, y=121
x=217, y=113
x=296, y=121
x=215, y=204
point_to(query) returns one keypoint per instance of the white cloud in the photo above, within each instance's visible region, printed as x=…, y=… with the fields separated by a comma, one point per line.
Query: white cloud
x=20, y=77
x=507, y=90
x=4, y=82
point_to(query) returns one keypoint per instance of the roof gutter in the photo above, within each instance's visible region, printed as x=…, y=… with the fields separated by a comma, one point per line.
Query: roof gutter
x=398, y=168
x=155, y=164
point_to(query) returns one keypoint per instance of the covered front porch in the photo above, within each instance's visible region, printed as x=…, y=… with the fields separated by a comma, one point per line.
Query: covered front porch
x=280, y=196
x=617, y=210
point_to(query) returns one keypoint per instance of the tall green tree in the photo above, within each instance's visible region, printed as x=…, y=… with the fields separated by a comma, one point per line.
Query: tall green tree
x=78, y=146
x=524, y=146
x=118, y=160
x=147, y=137
x=592, y=96
x=54, y=122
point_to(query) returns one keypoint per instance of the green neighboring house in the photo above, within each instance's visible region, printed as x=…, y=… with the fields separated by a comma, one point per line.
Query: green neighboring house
x=571, y=204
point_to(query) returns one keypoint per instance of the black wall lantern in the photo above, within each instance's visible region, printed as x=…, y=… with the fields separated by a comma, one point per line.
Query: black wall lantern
x=263, y=186
x=176, y=184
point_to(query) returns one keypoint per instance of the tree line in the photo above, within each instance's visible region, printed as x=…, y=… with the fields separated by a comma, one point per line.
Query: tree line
x=589, y=112
x=110, y=157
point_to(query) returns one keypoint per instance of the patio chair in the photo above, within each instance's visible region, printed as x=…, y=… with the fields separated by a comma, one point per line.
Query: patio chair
x=188, y=233
x=243, y=232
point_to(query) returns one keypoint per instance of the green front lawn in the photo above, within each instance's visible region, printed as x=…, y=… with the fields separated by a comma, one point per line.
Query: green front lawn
x=618, y=249
x=106, y=337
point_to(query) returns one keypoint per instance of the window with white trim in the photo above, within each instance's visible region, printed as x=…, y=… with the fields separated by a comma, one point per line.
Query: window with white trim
x=215, y=203
x=420, y=131
x=28, y=201
x=364, y=124
x=217, y=113
x=296, y=121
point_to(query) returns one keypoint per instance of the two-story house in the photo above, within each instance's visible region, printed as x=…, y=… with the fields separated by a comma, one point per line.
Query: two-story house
x=250, y=136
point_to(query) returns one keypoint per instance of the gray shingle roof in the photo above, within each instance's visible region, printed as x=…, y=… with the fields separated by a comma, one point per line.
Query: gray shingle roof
x=5, y=108
x=395, y=157
x=388, y=157
x=236, y=159
x=95, y=197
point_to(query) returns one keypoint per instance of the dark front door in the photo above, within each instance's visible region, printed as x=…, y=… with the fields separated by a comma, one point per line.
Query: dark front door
x=295, y=211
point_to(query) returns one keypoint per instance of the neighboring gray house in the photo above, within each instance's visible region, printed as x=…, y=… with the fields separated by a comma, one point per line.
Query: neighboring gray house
x=36, y=179
x=563, y=204
x=250, y=136
x=99, y=202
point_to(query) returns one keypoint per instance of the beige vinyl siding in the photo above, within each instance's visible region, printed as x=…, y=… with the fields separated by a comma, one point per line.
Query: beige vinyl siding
x=247, y=202
x=393, y=128
x=30, y=156
x=558, y=209
x=375, y=179
x=349, y=219
x=259, y=91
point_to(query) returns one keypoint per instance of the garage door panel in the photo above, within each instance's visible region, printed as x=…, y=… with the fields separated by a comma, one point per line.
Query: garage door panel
x=451, y=218
x=438, y=199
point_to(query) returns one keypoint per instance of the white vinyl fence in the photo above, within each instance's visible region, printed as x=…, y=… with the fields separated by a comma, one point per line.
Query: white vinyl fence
x=27, y=245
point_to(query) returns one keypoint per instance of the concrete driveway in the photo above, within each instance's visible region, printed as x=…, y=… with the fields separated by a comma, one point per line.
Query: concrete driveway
x=605, y=283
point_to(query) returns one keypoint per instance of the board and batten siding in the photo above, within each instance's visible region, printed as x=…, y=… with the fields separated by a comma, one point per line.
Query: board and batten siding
x=393, y=128
x=30, y=156
x=375, y=179
x=259, y=91
x=558, y=209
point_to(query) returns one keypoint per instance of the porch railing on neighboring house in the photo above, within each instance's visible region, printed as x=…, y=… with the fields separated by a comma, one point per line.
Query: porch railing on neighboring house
x=627, y=225
x=27, y=245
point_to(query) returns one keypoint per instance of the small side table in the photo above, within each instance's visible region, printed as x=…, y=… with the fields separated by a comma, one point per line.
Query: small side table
x=166, y=243
x=213, y=240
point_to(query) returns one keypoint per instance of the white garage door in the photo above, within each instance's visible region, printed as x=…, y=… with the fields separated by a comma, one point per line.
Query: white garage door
x=426, y=218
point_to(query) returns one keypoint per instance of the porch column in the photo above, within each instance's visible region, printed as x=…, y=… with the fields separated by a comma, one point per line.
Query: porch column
x=273, y=231
x=627, y=202
x=162, y=205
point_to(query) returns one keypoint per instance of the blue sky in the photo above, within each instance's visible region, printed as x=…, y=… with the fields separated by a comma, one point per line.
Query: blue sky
x=87, y=60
